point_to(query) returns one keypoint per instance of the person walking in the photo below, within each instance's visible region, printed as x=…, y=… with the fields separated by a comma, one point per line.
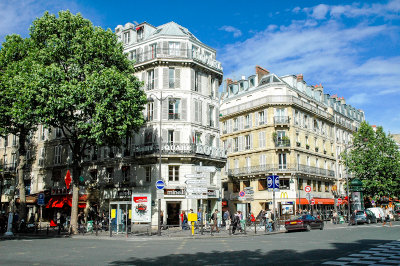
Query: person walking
x=387, y=217
x=353, y=219
x=214, y=218
x=235, y=222
x=334, y=217
x=252, y=219
x=227, y=218
x=183, y=220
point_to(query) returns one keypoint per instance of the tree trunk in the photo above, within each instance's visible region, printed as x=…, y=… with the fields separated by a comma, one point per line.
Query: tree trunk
x=21, y=185
x=74, y=209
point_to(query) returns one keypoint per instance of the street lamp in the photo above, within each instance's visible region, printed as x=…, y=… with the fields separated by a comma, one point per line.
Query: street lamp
x=150, y=100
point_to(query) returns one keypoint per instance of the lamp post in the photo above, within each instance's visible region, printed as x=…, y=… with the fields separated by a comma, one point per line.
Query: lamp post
x=161, y=99
x=347, y=185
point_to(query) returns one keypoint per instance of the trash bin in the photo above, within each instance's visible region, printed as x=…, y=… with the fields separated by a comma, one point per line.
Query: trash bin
x=90, y=226
x=341, y=219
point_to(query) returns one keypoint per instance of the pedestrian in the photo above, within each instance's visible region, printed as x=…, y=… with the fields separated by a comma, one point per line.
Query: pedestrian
x=235, y=222
x=227, y=219
x=334, y=217
x=353, y=219
x=162, y=219
x=200, y=218
x=183, y=220
x=387, y=217
x=214, y=219
x=252, y=219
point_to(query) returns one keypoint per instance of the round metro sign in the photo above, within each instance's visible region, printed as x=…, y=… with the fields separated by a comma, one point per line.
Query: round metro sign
x=160, y=184
x=307, y=189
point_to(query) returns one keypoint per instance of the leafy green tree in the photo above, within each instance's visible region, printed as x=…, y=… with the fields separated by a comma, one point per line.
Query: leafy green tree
x=87, y=87
x=18, y=100
x=374, y=158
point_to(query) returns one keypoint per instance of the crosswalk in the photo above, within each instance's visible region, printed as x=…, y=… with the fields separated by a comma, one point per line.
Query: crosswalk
x=385, y=254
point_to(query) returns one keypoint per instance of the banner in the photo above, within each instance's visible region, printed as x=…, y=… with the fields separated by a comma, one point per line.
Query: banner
x=141, y=208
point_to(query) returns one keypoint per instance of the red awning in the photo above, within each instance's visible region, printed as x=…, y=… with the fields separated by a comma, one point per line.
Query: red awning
x=60, y=200
x=319, y=201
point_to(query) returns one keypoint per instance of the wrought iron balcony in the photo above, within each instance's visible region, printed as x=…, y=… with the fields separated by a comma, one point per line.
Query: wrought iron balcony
x=279, y=168
x=282, y=143
x=281, y=120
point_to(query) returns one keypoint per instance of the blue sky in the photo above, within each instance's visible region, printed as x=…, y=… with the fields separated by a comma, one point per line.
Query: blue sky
x=351, y=47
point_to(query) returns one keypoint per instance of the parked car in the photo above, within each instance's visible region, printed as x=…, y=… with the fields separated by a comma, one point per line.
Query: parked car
x=379, y=214
x=371, y=218
x=304, y=222
x=360, y=217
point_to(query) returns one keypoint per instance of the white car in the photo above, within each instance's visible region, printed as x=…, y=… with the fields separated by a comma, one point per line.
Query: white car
x=379, y=213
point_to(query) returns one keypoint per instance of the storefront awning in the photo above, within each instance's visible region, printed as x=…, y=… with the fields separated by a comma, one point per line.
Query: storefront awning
x=59, y=201
x=319, y=201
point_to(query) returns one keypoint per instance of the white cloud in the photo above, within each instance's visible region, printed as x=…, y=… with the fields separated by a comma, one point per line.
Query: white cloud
x=320, y=11
x=236, y=32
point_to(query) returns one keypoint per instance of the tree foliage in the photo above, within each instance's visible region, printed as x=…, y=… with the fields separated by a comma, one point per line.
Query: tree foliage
x=374, y=158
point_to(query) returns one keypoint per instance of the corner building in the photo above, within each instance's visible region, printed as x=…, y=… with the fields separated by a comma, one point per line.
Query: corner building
x=174, y=65
x=282, y=126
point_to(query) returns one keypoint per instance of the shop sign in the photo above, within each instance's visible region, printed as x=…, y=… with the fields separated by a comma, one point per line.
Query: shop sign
x=173, y=192
x=212, y=193
x=60, y=191
x=141, y=207
x=124, y=193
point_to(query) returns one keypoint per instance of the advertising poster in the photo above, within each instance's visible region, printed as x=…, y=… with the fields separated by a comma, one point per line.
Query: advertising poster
x=141, y=208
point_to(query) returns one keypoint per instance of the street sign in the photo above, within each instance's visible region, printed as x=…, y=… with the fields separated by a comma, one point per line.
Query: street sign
x=312, y=202
x=273, y=182
x=308, y=196
x=197, y=182
x=195, y=176
x=206, y=169
x=307, y=189
x=160, y=193
x=196, y=196
x=40, y=201
x=242, y=194
x=196, y=190
x=339, y=201
x=160, y=184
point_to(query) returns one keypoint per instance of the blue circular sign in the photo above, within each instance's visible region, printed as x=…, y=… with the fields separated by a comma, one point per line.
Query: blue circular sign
x=160, y=184
x=270, y=182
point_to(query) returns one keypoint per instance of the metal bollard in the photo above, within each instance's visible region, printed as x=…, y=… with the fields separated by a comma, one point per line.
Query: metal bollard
x=47, y=230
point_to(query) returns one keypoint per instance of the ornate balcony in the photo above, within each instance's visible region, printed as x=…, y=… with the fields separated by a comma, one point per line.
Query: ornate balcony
x=281, y=120
x=282, y=143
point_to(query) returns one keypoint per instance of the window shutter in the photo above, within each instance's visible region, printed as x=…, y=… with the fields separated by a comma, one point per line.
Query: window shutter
x=216, y=117
x=146, y=53
x=165, y=48
x=165, y=78
x=192, y=79
x=201, y=112
x=256, y=118
x=251, y=141
x=165, y=111
x=155, y=110
x=240, y=148
x=200, y=77
x=184, y=109
x=265, y=116
x=177, y=136
x=177, y=78
x=156, y=78
x=164, y=137
x=208, y=115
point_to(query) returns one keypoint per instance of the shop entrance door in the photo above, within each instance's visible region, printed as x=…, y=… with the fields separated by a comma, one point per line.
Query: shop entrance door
x=173, y=213
x=120, y=216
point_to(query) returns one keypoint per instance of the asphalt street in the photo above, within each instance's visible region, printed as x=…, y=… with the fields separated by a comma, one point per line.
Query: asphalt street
x=298, y=248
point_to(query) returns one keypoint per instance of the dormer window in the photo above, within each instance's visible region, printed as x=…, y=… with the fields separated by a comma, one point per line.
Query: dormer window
x=252, y=82
x=140, y=34
x=127, y=37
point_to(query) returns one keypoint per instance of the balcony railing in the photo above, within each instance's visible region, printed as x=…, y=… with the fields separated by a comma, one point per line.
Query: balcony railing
x=278, y=168
x=166, y=53
x=175, y=148
x=173, y=116
x=281, y=120
x=282, y=143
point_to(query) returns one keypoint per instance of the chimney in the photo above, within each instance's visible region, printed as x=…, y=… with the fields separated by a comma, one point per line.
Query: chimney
x=260, y=72
x=300, y=77
x=342, y=100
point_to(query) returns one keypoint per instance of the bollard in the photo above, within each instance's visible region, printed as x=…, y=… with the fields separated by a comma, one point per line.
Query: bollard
x=97, y=226
x=47, y=230
x=230, y=229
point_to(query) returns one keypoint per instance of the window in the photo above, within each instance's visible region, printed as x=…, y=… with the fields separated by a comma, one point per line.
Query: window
x=247, y=142
x=262, y=184
x=14, y=140
x=261, y=118
x=58, y=132
x=125, y=173
x=150, y=111
x=248, y=162
x=150, y=79
x=235, y=124
x=198, y=138
x=235, y=187
x=308, y=182
x=314, y=185
x=5, y=141
x=263, y=159
x=109, y=175
x=13, y=160
x=236, y=144
x=148, y=137
x=319, y=186
x=173, y=173
x=300, y=185
x=127, y=37
x=252, y=82
x=174, y=48
x=211, y=116
x=170, y=136
x=326, y=186
x=153, y=50
x=148, y=173
x=171, y=74
x=173, y=109
x=42, y=155
x=283, y=183
x=43, y=133
x=282, y=161
x=261, y=139
x=211, y=141
x=132, y=55
x=139, y=33
x=196, y=81
x=296, y=117
x=57, y=154
x=247, y=121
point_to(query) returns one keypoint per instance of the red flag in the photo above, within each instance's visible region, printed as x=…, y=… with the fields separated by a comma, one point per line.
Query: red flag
x=68, y=179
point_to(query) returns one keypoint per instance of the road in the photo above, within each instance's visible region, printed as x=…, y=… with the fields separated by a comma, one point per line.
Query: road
x=301, y=248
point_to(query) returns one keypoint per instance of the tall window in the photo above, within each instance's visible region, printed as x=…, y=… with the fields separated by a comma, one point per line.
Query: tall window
x=198, y=107
x=261, y=118
x=170, y=136
x=14, y=140
x=14, y=160
x=43, y=133
x=148, y=173
x=198, y=138
x=171, y=74
x=326, y=186
x=150, y=79
x=247, y=121
x=150, y=111
x=211, y=116
x=173, y=109
x=153, y=49
x=235, y=124
x=126, y=173
x=42, y=156
x=282, y=161
x=139, y=33
x=314, y=182
x=174, y=48
x=127, y=37
x=319, y=186
x=247, y=142
x=58, y=132
x=248, y=162
x=236, y=144
x=211, y=141
x=173, y=173
x=57, y=154
x=263, y=159
x=261, y=139
x=300, y=185
x=196, y=81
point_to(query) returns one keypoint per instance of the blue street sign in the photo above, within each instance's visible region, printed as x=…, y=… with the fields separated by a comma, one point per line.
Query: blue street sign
x=160, y=184
x=273, y=182
x=40, y=199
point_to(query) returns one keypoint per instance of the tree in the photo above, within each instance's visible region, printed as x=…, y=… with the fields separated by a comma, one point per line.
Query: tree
x=87, y=87
x=374, y=158
x=18, y=100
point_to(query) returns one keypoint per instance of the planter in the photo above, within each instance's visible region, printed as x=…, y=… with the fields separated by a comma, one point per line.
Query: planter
x=307, y=146
x=298, y=144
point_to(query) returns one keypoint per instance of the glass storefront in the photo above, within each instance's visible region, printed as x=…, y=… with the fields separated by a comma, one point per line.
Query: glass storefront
x=120, y=216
